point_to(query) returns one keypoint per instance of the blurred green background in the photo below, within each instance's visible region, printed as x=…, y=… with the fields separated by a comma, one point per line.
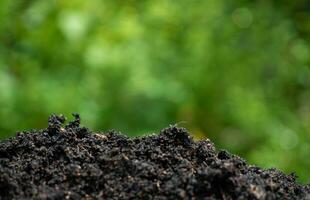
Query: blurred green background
x=233, y=71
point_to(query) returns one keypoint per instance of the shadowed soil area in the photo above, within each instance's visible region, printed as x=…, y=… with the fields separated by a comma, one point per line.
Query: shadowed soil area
x=72, y=162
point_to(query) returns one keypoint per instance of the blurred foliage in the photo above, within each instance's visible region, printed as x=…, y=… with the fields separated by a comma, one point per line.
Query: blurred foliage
x=234, y=71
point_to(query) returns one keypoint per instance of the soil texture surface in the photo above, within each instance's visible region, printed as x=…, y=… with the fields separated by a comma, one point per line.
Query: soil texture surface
x=71, y=162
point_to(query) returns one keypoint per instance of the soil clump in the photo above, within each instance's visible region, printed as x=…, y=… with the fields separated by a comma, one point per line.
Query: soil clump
x=72, y=162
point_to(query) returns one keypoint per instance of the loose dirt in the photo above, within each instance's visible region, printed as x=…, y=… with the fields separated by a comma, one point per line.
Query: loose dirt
x=71, y=162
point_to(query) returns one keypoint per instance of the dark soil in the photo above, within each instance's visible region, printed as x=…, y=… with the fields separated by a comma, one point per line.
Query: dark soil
x=69, y=162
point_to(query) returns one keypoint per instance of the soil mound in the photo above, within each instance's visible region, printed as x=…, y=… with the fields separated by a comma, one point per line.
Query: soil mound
x=69, y=162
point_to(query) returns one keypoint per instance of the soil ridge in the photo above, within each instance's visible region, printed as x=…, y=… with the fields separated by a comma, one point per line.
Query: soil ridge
x=67, y=161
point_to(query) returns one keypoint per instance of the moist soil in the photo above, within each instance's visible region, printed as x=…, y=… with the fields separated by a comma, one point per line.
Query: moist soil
x=71, y=162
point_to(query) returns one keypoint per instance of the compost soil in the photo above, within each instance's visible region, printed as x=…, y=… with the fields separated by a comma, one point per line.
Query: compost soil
x=71, y=162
